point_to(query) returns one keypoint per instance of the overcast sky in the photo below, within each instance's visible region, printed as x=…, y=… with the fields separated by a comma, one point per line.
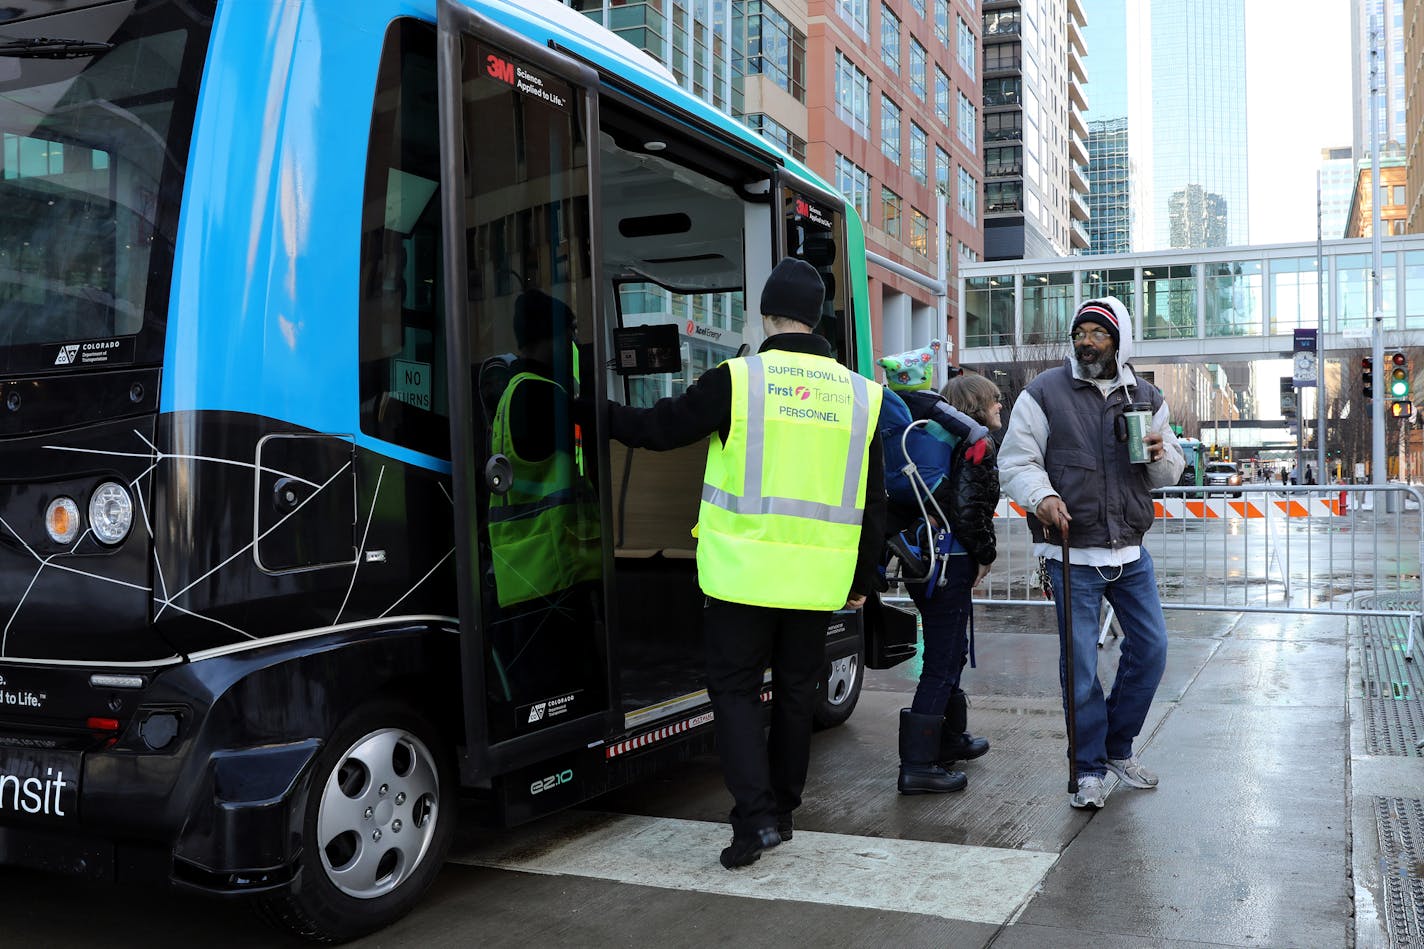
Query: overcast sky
x=1298, y=92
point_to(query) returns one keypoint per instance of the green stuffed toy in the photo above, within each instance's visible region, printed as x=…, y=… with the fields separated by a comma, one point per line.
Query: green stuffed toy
x=911, y=371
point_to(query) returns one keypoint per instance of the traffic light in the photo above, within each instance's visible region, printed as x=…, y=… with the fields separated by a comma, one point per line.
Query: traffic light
x=1399, y=377
x=1401, y=409
x=1367, y=378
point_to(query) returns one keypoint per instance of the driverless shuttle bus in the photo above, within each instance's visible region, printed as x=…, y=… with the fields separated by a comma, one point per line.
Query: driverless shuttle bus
x=309, y=524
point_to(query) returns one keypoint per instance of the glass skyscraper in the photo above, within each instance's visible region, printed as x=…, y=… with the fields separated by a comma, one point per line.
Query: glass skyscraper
x=1196, y=75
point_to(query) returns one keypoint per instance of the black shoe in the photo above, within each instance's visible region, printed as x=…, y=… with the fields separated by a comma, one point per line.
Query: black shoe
x=745, y=851
x=784, y=827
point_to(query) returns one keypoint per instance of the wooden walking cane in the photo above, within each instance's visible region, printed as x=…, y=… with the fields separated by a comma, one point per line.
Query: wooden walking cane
x=1070, y=692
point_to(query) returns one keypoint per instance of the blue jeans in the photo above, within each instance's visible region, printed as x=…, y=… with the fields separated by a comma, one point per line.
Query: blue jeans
x=1107, y=727
x=944, y=618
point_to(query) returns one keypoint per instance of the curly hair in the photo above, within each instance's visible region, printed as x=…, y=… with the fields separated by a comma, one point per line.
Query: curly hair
x=972, y=395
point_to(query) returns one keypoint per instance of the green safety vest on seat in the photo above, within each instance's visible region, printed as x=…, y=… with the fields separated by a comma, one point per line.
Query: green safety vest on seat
x=544, y=531
x=784, y=497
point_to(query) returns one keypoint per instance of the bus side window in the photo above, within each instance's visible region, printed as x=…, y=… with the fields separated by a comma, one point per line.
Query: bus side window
x=402, y=334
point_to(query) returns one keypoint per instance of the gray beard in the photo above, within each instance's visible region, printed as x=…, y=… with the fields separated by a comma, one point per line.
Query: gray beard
x=1100, y=369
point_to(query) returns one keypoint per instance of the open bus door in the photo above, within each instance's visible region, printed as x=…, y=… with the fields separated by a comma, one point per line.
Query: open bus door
x=522, y=317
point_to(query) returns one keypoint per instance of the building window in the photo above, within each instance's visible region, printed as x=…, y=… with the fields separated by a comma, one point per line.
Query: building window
x=854, y=182
x=968, y=119
x=917, y=68
x=773, y=131
x=942, y=96
x=942, y=22
x=919, y=6
x=1005, y=160
x=1001, y=196
x=968, y=196
x=1169, y=302
x=919, y=154
x=890, y=212
x=857, y=14
x=942, y=169
x=1004, y=91
x=890, y=39
x=1001, y=23
x=852, y=95
x=776, y=49
x=999, y=126
x=919, y=232
x=890, y=129
x=1003, y=56
x=968, y=47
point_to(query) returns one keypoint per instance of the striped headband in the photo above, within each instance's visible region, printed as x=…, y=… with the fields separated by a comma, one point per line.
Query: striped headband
x=1097, y=309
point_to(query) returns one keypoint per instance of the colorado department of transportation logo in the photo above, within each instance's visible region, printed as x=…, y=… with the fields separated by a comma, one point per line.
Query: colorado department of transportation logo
x=536, y=712
x=66, y=355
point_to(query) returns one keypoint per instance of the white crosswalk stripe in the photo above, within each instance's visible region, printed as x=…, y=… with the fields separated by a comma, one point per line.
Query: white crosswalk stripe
x=976, y=884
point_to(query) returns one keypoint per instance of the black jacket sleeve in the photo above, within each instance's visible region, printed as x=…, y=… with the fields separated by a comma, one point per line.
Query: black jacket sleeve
x=679, y=420
x=969, y=496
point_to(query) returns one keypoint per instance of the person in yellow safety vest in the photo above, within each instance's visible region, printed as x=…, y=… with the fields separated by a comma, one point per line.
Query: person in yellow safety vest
x=544, y=531
x=789, y=531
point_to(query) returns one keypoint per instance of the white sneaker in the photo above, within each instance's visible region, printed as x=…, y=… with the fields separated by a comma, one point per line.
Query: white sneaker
x=1132, y=773
x=1091, y=792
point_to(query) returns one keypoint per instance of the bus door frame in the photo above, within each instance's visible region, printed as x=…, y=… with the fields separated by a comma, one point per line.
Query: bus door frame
x=786, y=180
x=483, y=760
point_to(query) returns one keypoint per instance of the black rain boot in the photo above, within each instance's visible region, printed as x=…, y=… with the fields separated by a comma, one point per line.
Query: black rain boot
x=955, y=743
x=919, y=739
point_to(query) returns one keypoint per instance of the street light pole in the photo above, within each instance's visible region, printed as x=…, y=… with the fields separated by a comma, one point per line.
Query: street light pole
x=1321, y=325
x=1378, y=475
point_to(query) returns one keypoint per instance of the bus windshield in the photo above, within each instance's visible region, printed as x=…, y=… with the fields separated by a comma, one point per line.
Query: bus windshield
x=96, y=104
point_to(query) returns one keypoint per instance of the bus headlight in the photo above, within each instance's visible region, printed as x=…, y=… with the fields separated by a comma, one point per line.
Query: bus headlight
x=62, y=520
x=110, y=512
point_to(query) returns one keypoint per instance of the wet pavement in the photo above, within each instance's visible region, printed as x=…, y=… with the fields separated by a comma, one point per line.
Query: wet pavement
x=1277, y=791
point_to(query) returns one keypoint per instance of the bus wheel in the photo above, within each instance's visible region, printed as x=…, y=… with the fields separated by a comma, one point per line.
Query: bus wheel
x=380, y=814
x=841, y=690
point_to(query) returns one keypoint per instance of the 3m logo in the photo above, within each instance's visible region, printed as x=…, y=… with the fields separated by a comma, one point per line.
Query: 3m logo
x=66, y=355
x=501, y=70
x=803, y=393
x=802, y=208
x=537, y=712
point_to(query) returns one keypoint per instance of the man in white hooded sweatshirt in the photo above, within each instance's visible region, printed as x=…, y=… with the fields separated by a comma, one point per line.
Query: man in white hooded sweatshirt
x=1065, y=461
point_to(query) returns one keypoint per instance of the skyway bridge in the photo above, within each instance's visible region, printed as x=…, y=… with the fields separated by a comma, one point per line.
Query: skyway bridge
x=1219, y=304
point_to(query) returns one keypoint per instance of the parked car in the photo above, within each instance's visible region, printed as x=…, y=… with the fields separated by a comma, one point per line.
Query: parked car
x=1220, y=473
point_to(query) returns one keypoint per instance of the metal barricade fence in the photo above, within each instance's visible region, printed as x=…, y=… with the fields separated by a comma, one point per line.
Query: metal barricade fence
x=1309, y=549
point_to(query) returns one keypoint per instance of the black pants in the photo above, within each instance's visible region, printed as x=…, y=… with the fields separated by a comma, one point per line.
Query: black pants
x=765, y=774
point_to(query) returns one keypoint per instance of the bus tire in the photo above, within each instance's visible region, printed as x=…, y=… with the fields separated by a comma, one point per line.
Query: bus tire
x=379, y=817
x=840, y=690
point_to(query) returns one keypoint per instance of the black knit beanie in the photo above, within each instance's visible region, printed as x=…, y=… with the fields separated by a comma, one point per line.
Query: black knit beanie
x=794, y=291
x=1107, y=313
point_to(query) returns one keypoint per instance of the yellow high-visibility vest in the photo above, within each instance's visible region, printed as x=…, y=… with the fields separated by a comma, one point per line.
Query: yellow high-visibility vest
x=544, y=531
x=783, y=498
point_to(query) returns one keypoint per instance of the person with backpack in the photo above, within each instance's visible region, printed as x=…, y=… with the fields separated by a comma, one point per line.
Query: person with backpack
x=954, y=460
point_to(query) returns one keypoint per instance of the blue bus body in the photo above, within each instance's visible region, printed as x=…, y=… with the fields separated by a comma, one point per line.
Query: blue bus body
x=251, y=502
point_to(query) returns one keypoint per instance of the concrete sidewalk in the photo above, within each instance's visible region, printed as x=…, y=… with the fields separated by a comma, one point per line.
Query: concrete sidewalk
x=1247, y=842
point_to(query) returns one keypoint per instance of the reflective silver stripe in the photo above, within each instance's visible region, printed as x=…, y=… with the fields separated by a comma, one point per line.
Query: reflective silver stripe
x=859, y=437
x=789, y=506
x=754, y=456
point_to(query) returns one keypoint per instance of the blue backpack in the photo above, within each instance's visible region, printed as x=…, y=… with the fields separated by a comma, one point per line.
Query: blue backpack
x=928, y=446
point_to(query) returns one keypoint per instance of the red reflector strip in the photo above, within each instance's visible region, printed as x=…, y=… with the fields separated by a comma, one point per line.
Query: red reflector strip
x=656, y=735
x=103, y=724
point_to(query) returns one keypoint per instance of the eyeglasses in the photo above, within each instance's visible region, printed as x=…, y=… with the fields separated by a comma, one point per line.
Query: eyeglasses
x=1097, y=336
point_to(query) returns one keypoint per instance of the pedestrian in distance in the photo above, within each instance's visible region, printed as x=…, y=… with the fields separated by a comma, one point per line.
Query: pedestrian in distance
x=934, y=731
x=1065, y=460
x=789, y=531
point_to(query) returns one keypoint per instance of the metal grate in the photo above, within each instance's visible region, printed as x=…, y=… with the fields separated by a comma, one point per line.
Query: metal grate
x=1401, y=832
x=1393, y=688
